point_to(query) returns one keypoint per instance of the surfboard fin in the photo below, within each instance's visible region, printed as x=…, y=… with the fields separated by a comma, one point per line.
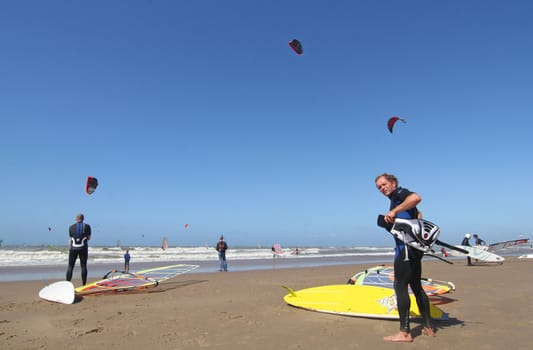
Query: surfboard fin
x=290, y=291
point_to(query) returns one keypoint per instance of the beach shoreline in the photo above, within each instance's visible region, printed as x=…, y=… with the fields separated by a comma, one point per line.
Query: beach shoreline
x=97, y=270
x=491, y=308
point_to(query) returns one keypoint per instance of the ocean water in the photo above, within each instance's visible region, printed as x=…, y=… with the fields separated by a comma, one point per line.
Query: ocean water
x=47, y=262
x=50, y=263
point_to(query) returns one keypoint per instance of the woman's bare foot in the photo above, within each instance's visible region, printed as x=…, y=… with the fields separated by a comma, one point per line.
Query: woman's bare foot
x=399, y=337
x=428, y=331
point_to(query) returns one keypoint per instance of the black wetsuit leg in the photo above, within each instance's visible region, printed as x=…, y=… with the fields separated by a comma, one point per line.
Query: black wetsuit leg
x=416, y=286
x=72, y=256
x=402, y=276
x=409, y=273
x=84, y=255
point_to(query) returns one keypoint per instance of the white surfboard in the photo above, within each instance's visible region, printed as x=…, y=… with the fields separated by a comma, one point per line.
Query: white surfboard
x=59, y=292
x=477, y=253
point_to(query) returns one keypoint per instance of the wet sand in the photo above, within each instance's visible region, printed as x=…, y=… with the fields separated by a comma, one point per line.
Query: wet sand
x=492, y=308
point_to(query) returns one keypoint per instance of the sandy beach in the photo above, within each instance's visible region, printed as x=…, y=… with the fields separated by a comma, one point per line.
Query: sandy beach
x=492, y=308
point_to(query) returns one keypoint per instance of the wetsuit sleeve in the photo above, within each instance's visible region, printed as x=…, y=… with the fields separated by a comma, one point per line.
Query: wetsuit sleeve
x=72, y=230
x=397, y=197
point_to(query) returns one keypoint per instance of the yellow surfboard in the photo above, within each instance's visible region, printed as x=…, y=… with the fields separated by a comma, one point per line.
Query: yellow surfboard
x=354, y=300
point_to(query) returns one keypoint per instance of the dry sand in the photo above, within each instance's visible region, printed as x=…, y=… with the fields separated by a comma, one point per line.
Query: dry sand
x=492, y=308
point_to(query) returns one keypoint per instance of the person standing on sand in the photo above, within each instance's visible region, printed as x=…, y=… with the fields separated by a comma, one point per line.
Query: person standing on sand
x=466, y=242
x=221, y=248
x=406, y=272
x=80, y=234
x=478, y=241
x=127, y=258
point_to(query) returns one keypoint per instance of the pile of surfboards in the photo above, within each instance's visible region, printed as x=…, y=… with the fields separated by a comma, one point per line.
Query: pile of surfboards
x=367, y=294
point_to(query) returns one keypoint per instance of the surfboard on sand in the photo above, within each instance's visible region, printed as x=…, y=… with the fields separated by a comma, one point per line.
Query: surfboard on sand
x=354, y=300
x=117, y=281
x=58, y=292
x=479, y=254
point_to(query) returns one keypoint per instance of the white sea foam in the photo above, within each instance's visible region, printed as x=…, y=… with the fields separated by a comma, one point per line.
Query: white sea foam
x=31, y=256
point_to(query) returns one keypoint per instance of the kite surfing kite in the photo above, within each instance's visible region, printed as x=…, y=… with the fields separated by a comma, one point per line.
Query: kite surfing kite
x=186, y=226
x=91, y=185
x=296, y=46
x=392, y=121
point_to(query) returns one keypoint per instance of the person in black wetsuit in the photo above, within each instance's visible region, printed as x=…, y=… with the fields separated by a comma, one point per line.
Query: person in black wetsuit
x=406, y=273
x=478, y=241
x=466, y=242
x=80, y=234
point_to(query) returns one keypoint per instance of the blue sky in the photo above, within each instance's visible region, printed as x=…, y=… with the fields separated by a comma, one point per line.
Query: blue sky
x=198, y=112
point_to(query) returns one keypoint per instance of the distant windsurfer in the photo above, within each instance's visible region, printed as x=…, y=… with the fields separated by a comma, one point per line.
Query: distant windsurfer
x=221, y=248
x=407, y=269
x=80, y=234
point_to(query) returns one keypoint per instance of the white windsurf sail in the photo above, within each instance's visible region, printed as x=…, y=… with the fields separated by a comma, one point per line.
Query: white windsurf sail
x=506, y=244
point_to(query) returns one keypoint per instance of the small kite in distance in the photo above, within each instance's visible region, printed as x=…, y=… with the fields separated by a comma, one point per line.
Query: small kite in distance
x=91, y=185
x=392, y=121
x=296, y=46
x=186, y=226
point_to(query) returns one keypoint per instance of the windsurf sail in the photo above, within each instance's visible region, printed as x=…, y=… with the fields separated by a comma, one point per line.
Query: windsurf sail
x=383, y=276
x=164, y=273
x=116, y=281
x=119, y=281
x=276, y=249
x=164, y=244
x=506, y=244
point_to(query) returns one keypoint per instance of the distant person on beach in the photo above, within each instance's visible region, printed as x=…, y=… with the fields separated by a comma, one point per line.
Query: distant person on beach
x=221, y=248
x=466, y=242
x=479, y=241
x=406, y=272
x=80, y=234
x=127, y=258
